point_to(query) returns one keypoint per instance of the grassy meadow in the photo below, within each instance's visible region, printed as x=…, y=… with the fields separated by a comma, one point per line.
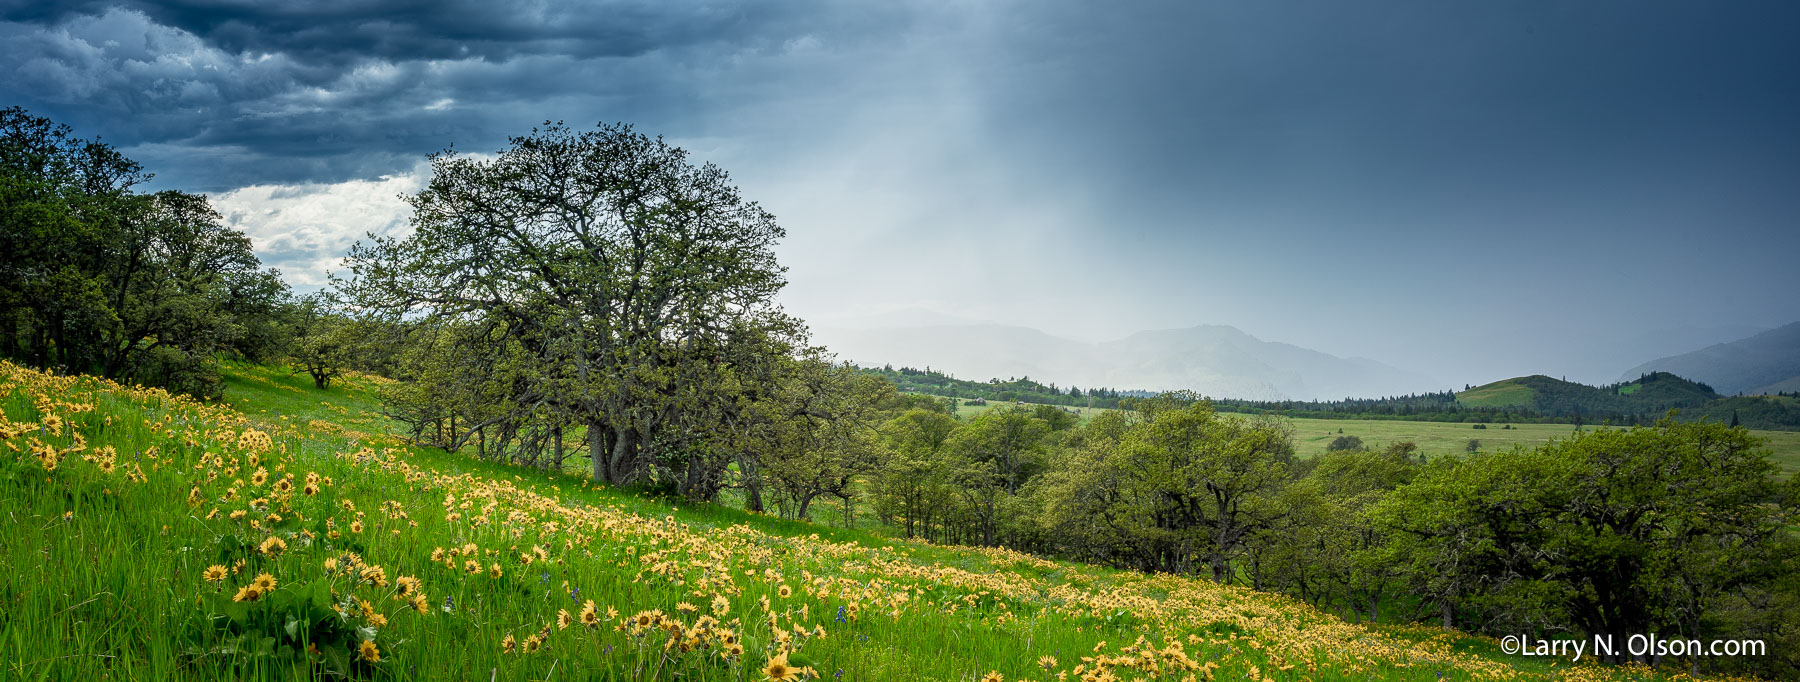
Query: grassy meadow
x=1311, y=436
x=964, y=410
x=285, y=535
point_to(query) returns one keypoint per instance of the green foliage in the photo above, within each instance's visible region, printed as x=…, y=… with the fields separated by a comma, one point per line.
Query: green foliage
x=324, y=342
x=1173, y=488
x=820, y=436
x=98, y=278
x=1754, y=411
x=1609, y=532
x=1328, y=548
x=592, y=280
x=913, y=487
x=284, y=624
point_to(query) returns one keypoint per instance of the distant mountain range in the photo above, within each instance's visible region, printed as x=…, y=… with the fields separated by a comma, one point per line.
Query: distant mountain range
x=1765, y=363
x=1224, y=362
x=1215, y=360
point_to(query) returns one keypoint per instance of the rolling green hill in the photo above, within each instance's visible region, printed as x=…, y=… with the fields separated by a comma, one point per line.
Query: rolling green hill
x=287, y=536
x=1652, y=394
x=1504, y=393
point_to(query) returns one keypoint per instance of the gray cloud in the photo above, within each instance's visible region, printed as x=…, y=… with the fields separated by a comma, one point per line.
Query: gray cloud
x=347, y=32
x=294, y=93
x=1470, y=190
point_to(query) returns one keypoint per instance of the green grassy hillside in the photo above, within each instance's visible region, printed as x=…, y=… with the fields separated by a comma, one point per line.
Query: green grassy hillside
x=1651, y=394
x=1504, y=393
x=286, y=536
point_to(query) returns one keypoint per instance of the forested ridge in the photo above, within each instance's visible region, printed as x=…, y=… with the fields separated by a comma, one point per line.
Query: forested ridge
x=595, y=300
x=1023, y=389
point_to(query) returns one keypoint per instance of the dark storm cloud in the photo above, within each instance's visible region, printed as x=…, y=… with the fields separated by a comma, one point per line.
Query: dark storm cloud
x=286, y=92
x=348, y=31
x=1351, y=98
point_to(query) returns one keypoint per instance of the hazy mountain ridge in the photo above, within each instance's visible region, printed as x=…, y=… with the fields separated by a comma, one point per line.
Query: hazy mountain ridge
x=1764, y=363
x=1215, y=360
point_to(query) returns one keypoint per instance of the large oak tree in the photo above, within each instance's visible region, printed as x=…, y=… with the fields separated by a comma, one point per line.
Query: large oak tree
x=616, y=267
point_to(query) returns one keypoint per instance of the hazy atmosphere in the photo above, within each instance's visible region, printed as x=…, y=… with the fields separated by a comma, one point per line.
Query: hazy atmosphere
x=1467, y=194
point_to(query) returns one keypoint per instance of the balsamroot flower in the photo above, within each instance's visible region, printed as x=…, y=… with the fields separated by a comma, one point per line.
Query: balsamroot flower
x=369, y=652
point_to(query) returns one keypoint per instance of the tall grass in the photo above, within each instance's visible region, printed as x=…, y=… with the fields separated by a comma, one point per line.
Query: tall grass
x=390, y=562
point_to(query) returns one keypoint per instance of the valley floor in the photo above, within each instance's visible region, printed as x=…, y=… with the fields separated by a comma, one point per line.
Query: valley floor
x=1312, y=436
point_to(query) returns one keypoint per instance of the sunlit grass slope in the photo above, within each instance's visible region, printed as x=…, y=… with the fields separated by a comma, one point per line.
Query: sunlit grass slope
x=283, y=536
x=1505, y=393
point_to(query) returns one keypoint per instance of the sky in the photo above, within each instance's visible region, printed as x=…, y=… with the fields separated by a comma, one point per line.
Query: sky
x=1467, y=190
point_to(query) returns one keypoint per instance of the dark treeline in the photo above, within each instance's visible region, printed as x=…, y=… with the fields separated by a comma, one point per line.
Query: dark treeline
x=97, y=277
x=1434, y=407
x=1638, y=402
x=1428, y=407
x=593, y=299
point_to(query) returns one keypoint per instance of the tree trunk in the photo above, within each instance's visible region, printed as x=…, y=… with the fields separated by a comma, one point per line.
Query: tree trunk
x=597, y=450
x=619, y=469
x=1220, y=568
x=805, y=501
x=691, y=480
x=988, y=524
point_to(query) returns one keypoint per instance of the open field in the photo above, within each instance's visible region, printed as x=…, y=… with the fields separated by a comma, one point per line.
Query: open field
x=140, y=526
x=965, y=410
x=1311, y=436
